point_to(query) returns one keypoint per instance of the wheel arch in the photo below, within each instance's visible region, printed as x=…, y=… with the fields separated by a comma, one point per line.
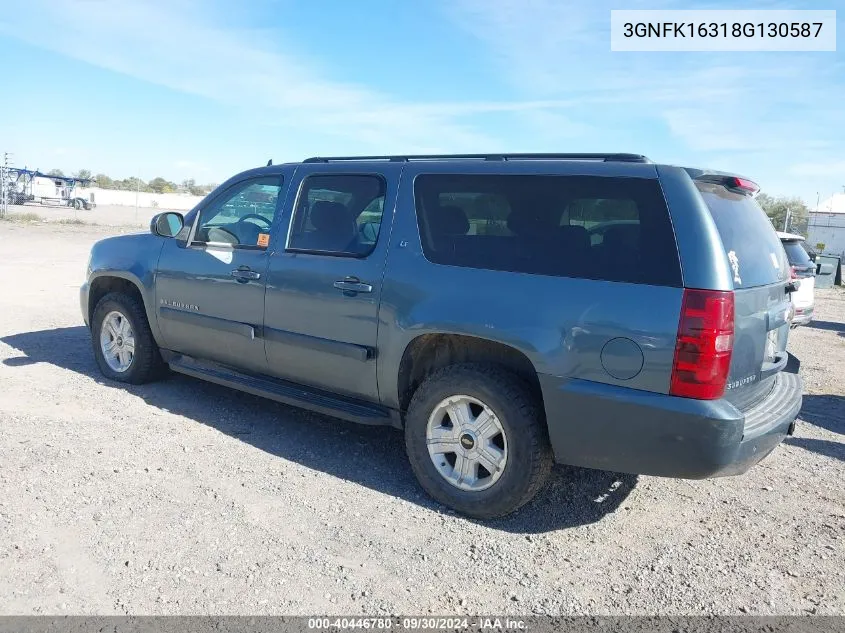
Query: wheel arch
x=103, y=284
x=429, y=352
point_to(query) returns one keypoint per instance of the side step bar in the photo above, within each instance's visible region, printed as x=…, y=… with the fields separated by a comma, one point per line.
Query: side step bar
x=286, y=392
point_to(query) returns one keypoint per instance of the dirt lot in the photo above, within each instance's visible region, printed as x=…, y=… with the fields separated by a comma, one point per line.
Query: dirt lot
x=184, y=497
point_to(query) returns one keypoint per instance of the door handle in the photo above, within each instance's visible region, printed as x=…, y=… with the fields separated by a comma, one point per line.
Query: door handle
x=353, y=284
x=244, y=275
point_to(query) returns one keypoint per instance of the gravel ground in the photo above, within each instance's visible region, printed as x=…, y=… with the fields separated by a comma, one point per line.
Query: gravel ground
x=184, y=497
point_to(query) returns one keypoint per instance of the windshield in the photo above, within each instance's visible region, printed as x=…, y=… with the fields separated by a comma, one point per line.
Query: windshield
x=753, y=248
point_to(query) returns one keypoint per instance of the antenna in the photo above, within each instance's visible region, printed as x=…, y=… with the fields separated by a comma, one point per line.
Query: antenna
x=269, y=162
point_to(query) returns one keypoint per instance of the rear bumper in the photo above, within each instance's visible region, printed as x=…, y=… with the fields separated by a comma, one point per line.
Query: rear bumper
x=625, y=430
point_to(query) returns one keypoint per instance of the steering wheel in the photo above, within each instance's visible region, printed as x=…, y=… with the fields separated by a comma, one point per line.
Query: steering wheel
x=269, y=223
x=234, y=238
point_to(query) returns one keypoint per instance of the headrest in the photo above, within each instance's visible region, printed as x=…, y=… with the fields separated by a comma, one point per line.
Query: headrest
x=331, y=217
x=527, y=223
x=448, y=220
x=623, y=236
x=573, y=236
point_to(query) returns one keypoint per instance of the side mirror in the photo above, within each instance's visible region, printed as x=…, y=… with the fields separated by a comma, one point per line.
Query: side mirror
x=167, y=224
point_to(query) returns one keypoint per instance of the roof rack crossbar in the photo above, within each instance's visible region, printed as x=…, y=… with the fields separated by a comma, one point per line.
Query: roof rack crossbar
x=617, y=157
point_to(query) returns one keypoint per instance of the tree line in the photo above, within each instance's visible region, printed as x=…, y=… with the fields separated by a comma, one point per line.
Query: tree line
x=156, y=185
x=777, y=207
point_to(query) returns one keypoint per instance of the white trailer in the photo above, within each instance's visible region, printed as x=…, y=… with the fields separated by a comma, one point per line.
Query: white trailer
x=36, y=187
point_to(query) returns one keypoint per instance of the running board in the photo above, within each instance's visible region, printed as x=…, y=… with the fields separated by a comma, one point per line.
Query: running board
x=286, y=392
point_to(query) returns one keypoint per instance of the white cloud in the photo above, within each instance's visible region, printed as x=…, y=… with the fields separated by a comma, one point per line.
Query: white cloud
x=180, y=45
x=763, y=111
x=757, y=112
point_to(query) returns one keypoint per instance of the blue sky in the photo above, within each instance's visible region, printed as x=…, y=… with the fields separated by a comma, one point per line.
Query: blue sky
x=206, y=88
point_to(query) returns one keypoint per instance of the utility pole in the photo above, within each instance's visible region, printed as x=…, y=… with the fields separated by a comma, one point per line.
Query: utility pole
x=137, y=193
x=4, y=185
x=786, y=221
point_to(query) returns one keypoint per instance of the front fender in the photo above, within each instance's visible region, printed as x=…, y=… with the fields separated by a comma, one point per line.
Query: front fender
x=133, y=258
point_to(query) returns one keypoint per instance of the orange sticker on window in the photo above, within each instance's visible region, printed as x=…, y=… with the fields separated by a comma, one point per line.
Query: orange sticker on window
x=263, y=239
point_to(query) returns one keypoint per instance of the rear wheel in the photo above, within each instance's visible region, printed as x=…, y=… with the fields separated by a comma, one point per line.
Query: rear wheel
x=122, y=341
x=476, y=440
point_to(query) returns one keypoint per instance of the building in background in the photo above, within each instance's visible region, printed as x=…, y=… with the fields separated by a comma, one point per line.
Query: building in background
x=827, y=226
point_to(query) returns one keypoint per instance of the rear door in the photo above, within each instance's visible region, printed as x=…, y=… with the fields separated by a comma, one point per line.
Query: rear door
x=324, y=283
x=760, y=273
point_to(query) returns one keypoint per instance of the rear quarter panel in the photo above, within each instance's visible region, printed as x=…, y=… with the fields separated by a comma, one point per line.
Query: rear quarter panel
x=561, y=324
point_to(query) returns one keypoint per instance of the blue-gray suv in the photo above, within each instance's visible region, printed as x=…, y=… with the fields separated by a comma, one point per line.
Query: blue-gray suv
x=506, y=311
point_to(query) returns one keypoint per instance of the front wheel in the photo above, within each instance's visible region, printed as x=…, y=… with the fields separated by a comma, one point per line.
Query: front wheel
x=477, y=441
x=122, y=341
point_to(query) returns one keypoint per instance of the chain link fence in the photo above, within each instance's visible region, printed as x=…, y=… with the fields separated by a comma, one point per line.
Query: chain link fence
x=5, y=185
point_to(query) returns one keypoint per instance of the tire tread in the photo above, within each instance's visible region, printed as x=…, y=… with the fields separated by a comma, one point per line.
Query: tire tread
x=512, y=390
x=147, y=362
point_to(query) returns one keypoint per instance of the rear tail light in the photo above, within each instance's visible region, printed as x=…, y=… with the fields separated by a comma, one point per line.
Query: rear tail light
x=704, y=345
x=733, y=183
x=745, y=185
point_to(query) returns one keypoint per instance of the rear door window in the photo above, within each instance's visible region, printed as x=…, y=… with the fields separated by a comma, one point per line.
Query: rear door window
x=796, y=254
x=338, y=214
x=593, y=227
x=753, y=248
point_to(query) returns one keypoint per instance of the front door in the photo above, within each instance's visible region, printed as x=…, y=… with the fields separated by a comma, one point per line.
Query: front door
x=324, y=284
x=210, y=288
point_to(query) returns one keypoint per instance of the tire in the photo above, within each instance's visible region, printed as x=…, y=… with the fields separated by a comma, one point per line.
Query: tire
x=528, y=455
x=146, y=364
x=77, y=205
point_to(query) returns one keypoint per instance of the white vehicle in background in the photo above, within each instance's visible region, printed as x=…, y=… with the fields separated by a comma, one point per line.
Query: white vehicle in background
x=803, y=270
x=25, y=185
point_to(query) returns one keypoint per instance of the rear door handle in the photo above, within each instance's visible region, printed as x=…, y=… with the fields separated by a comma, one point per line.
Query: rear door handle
x=244, y=275
x=353, y=284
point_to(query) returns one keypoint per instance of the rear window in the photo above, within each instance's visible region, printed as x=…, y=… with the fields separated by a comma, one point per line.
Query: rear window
x=753, y=248
x=594, y=227
x=796, y=254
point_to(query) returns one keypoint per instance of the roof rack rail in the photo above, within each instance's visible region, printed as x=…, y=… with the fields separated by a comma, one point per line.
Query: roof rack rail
x=622, y=158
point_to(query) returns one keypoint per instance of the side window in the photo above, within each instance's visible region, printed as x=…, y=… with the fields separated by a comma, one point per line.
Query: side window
x=594, y=227
x=243, y=216
x=338, y=214
x=600, y=216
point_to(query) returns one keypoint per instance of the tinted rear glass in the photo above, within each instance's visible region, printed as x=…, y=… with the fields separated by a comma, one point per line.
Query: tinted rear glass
x=592, y=227
x=751, y=243
x=796, y=254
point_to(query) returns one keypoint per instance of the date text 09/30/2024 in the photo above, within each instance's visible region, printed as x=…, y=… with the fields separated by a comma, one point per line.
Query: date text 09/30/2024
x=416, y=624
